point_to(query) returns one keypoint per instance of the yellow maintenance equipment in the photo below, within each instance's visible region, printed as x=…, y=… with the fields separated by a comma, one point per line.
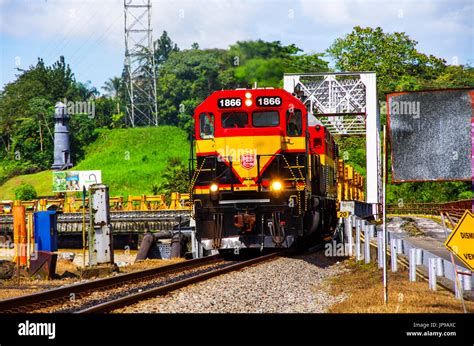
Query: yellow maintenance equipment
x=71, y=204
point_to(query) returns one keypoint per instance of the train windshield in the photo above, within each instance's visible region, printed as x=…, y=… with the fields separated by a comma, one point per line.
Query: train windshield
x=233, y=120
x=206, y=125
x=294, y=123
x=265, y=119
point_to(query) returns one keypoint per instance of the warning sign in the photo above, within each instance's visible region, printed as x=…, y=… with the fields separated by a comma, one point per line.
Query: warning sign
x=461, y=240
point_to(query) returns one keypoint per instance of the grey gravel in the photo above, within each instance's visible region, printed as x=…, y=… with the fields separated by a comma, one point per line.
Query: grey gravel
x=284, y=285
x=95, y=297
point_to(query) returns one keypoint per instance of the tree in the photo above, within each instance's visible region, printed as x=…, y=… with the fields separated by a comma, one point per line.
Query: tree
x=185, y=80
x=113, y=88
x=163, y=48
x=393, y=56
x=175, y=178
x=455, y=77
x=266, y=62
x=25, y=192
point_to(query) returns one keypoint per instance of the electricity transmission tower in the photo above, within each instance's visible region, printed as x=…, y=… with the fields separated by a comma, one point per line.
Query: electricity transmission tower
x=140, y=74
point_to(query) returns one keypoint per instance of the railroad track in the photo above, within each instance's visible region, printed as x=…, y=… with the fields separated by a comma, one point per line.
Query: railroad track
x=115, y=292
x=58, y=297
x=162, y=290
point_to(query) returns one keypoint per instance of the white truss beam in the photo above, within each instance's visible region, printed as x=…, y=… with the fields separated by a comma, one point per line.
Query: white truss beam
x=345, y=103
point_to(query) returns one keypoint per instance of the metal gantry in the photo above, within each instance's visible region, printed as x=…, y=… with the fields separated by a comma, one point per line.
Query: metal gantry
x=140, y=71
x=346, y=104
x=337, y=100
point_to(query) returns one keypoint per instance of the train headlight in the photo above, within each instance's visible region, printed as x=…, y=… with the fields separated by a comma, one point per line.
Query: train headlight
x=214, y=188
x=248, y=102
x=248, y=95
x=277, y=185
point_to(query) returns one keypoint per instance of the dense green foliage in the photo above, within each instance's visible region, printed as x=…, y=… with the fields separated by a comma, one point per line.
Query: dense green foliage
x=185, y=77
x=174, y=178
x=266, y=62
x=25, y=192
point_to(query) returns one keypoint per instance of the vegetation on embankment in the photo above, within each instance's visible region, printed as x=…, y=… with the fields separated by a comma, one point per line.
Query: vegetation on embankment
x=132, y=161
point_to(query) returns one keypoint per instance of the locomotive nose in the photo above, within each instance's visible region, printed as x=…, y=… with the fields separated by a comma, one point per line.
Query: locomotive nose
x=251, y=154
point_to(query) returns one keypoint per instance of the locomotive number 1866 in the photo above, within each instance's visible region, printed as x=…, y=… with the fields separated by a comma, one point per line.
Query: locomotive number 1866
x=268, y=101
x=229, y=102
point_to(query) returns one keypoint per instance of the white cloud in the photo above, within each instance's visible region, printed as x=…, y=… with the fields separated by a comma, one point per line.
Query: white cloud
x=77, y=19
x=452, y=16
x=211, y=22
x=98, y=24
x=442, y=27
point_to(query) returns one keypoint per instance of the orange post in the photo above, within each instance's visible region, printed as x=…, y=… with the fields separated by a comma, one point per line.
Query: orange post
x=19, y=233
x=29, y=237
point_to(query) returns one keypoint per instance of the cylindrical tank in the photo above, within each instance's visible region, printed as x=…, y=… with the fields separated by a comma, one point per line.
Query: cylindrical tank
x=62, y=152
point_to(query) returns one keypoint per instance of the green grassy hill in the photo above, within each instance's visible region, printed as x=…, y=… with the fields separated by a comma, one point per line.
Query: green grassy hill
x=131, y=161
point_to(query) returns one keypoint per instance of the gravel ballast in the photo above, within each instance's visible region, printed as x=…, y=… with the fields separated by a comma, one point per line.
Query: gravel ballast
x=285, y=285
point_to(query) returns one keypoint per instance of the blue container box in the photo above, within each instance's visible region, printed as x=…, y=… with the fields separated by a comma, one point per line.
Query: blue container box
x=46, y=230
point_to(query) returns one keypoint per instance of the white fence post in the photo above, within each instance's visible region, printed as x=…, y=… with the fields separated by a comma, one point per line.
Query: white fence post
x=393, y=254
x=432, y=273
x=380, y=249
x=367, y=243
x=412, y=265
x=467, y=280
x=348, y=234
x=357, y=240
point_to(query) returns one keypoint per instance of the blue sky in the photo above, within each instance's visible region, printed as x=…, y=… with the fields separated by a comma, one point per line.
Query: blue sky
x=89, y=33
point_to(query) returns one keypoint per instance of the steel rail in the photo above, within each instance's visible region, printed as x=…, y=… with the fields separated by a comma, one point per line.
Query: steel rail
x=62, y=293
x=151, y=293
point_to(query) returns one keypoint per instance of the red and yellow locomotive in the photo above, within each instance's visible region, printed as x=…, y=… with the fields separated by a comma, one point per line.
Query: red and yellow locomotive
x=261, y=176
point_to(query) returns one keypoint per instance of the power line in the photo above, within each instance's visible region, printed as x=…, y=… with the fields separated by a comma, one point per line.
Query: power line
x=66, y=41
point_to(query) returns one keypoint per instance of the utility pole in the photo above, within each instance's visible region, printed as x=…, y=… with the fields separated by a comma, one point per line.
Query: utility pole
x=140, y=71
x=384, y=216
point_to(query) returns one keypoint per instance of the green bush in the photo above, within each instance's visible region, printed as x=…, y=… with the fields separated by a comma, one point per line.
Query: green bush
x=25, y=192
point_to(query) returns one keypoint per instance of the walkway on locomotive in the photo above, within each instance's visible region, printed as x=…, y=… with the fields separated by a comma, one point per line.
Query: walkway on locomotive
x=244, y=137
